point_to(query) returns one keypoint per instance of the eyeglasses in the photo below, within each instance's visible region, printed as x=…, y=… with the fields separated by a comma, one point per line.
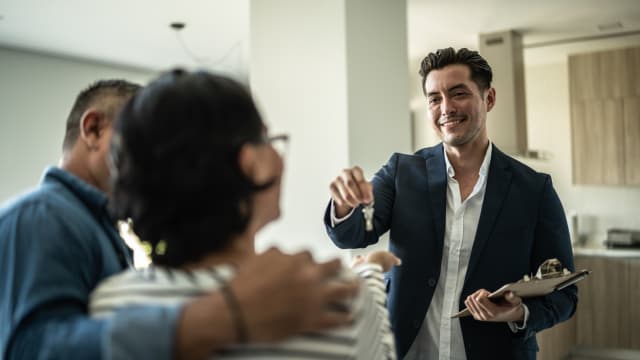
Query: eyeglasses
x=280, y=143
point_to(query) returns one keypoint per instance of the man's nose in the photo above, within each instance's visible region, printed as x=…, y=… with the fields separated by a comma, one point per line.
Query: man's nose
x=447, y=107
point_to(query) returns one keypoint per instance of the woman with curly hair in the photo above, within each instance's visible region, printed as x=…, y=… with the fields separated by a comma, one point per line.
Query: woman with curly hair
x=198, y=174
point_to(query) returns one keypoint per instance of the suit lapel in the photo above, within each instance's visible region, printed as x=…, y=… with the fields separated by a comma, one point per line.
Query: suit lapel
x=437, y=184
x=498, y=182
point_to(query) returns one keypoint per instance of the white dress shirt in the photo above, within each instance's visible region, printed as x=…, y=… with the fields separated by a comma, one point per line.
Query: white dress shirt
x=440, y=336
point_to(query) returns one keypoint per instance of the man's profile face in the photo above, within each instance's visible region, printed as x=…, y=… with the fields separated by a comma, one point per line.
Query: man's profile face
x=102, y=165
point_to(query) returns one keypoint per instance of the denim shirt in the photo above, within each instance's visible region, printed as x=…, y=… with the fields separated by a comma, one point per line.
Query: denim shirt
x=56, y=243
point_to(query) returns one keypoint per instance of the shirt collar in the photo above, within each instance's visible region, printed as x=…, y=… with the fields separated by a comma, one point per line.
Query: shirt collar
x=484, y=167
x=91, y=196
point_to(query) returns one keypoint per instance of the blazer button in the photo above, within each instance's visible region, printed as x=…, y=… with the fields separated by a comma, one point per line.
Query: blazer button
x=431, y=282
x=416, y=324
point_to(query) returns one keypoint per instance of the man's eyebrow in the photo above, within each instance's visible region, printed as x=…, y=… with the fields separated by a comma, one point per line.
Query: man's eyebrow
x=453, y=88
x=456, y=87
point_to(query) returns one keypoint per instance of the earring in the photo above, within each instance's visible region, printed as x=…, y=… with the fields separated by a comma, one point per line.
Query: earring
x=161, y=248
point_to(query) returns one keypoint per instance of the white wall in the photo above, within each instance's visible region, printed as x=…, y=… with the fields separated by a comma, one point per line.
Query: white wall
x=549, y=130
x=423, y=134
x=36, y=94
x=299, y=80
x=378, y=90
x=336, y=82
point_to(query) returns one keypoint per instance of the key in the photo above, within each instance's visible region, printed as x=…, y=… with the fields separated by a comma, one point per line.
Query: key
x=367, y=211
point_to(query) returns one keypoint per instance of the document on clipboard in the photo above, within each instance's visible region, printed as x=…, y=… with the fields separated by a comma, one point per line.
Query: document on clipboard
x=534, y=287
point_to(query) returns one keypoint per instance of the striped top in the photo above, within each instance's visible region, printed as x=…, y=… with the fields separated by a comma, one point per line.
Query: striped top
x=369, y=337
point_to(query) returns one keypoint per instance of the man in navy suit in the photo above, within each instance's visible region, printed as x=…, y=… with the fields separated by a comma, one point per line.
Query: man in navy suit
x=465, y=219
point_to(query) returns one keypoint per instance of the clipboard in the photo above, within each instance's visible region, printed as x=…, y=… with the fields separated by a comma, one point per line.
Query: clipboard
x=533, y=288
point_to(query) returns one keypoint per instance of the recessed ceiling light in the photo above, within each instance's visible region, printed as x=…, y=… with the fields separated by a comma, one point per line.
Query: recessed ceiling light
x=614, y=25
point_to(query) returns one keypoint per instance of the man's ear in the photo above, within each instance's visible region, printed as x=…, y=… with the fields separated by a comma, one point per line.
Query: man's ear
x=491, y=98
x=92, y=125
x=247, y=158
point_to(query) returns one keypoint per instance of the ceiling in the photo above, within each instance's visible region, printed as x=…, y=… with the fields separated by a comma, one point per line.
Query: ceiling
x=132, y=32
x=137, y=33
x=436, y=23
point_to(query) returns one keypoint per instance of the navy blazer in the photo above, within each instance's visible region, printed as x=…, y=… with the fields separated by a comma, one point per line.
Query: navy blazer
x=521, y=224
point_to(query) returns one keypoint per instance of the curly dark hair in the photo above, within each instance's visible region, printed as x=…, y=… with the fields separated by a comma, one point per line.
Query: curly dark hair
x=481, y=73
x=175, y=164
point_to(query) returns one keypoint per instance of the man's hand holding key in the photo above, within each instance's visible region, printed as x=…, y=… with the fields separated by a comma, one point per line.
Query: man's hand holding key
x=349, y=190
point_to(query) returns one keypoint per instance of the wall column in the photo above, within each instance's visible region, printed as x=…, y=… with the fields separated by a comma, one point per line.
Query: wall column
x=332, y=74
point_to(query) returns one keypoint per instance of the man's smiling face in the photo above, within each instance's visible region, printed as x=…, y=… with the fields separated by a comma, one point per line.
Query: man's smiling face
x=457, y=108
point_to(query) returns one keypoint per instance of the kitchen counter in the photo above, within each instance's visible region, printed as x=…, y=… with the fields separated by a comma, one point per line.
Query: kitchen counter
x=605, y=252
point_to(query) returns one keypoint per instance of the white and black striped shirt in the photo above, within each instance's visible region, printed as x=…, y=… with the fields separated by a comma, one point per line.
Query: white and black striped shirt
x=369, y=337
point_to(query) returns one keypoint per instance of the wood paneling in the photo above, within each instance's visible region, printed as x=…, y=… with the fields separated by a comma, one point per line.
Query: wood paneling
x=605, y=74
x=634, y=299
x=598, y=151
x=583, y=86
x=601, y=314
x=556, y=342
x=633, y=66
x=605, y=117
x=632, y=140
x=607, y=315
x=613, y=75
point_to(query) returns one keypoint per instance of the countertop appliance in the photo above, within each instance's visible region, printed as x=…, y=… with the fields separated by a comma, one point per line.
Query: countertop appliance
x=622, y=238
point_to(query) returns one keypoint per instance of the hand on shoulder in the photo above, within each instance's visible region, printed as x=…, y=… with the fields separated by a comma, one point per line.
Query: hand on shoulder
x=385, y=259
x=283, y=295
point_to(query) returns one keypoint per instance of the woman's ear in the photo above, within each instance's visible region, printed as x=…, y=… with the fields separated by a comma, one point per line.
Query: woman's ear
x=247, y=158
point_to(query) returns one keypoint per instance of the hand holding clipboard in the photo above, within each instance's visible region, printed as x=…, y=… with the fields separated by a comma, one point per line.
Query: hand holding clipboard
x=549, y=278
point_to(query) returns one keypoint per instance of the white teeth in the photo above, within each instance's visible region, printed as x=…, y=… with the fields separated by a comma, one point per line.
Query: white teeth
x=447, y=122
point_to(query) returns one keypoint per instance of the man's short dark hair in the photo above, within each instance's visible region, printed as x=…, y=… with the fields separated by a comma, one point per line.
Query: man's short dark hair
x=481, y=73
x=88, y=97
x=176, y=170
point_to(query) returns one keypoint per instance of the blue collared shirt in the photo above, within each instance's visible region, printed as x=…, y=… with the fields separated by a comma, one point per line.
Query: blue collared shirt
x=56, y=243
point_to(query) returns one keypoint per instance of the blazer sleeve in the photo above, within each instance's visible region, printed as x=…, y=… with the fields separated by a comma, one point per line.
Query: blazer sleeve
x=551, y=240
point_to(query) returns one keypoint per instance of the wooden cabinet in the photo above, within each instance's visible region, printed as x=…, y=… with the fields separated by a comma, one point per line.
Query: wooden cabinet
x=633, y=313
x=556, y=343
x=631, y=109
x=604, y=74
x=607, y=317
x=605, y=117
x=598, y=153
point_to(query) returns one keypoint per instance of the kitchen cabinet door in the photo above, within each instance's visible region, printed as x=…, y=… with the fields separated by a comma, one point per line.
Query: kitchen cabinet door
x=584, y=77
x=633, y=313
x=608, y=315
x=605, y=117
x=632, y=140
x=598, y=142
